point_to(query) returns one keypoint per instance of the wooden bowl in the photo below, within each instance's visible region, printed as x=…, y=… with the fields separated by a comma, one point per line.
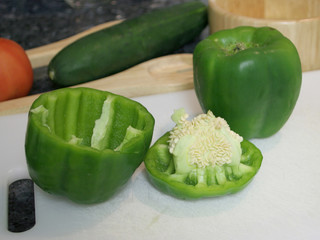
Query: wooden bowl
x=298, y=20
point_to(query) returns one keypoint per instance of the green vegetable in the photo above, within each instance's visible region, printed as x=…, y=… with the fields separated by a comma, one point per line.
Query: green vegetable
x=201, y=158
x=84, y=143
x=249, y=76
x=124, y=45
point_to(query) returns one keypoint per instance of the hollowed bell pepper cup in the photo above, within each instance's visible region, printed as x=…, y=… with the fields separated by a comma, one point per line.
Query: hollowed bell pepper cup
x=249, y=76
x=85, y=144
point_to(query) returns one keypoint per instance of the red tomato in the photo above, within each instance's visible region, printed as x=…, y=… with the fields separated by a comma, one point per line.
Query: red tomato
x=16, y=75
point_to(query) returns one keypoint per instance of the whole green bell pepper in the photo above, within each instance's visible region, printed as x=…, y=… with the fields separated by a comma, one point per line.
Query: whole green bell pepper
x=249, y=76
x=84, y=143
x=201, y=158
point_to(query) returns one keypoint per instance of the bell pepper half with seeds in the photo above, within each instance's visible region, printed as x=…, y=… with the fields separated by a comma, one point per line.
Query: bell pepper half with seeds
x=84, y=143
x=201, y=157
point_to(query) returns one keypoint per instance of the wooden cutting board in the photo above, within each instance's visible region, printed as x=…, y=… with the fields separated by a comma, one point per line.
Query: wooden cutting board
x=164, y=74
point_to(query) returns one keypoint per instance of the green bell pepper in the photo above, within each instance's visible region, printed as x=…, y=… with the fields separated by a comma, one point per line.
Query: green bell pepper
x=201, y=158
x=85, y=144
x=249, y=76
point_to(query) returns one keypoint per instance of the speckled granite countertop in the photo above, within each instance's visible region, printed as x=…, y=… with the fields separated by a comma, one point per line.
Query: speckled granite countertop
x=33, y=23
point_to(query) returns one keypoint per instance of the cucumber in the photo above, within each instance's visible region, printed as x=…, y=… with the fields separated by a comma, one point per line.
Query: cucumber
x=128, y=43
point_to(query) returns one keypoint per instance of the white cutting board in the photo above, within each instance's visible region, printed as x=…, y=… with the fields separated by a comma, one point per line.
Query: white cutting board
x=282, y=202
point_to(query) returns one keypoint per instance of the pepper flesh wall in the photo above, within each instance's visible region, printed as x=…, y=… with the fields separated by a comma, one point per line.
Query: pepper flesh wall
x=201, y=158
x=84, y=143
